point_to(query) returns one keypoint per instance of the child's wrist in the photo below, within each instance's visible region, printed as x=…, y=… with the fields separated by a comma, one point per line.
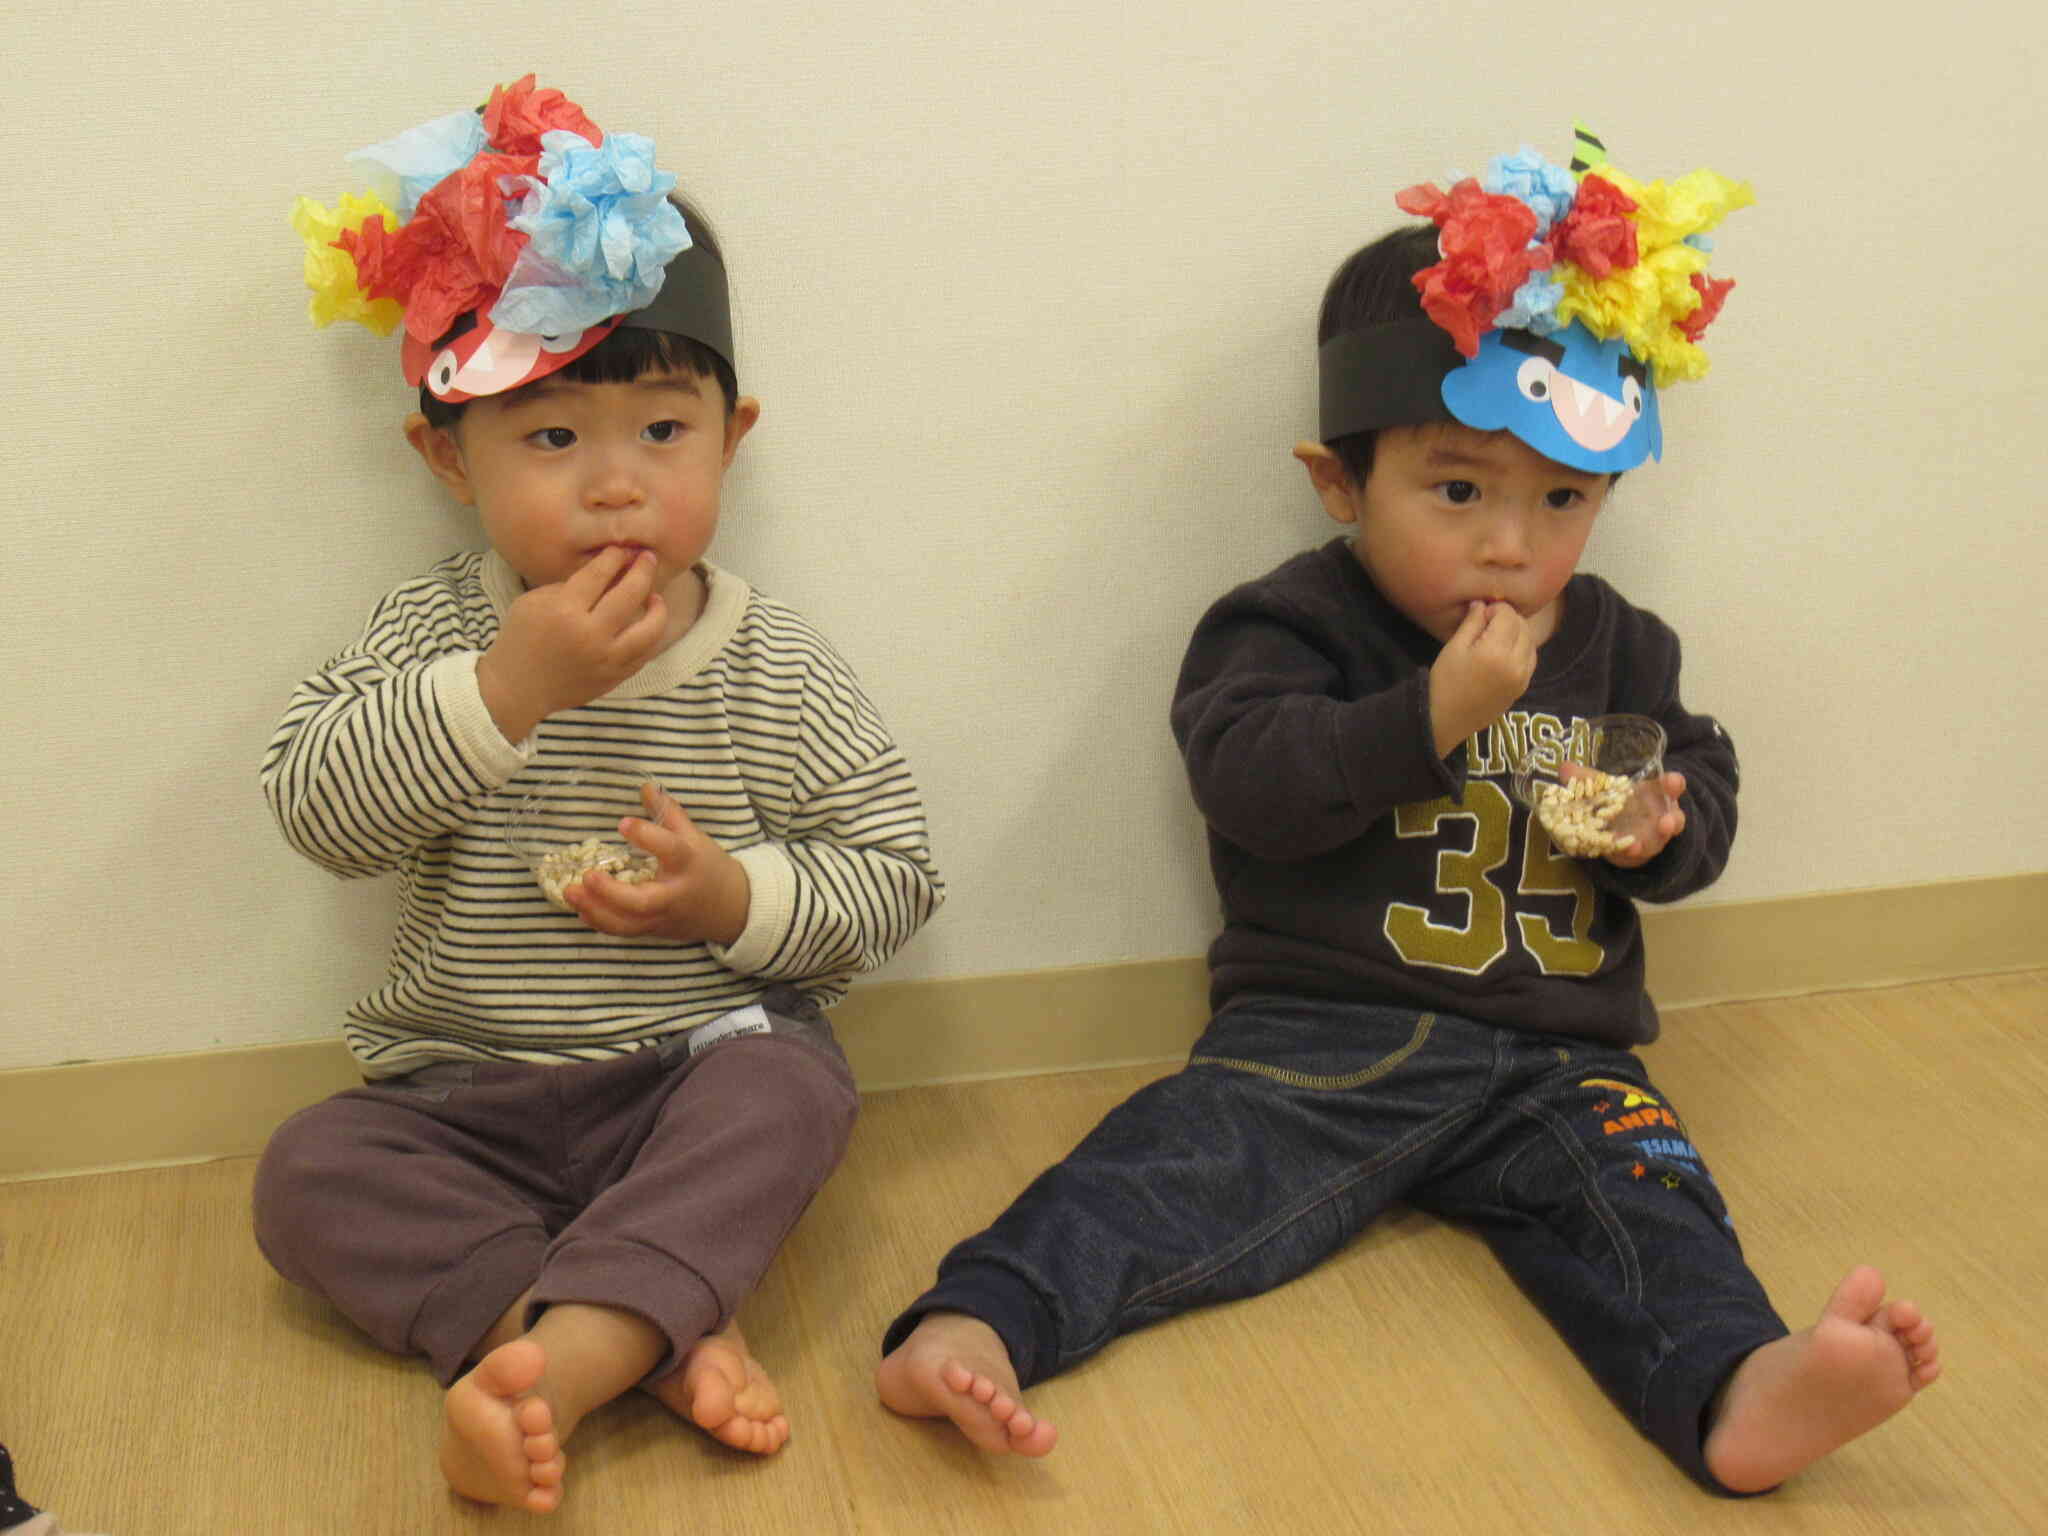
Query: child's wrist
x=733, y=904
x=513, y=714
x=1446, y=722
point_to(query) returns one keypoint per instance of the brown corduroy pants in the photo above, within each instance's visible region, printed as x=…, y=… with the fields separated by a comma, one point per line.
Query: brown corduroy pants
x=661, y=1183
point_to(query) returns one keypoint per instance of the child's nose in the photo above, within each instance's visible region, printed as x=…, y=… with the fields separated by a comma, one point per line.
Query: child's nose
x=612, y=482
x=1505, y=541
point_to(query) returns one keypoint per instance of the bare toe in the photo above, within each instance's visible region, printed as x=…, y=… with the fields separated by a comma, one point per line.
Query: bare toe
x=1804, y=1396
x=722, y=1389
x=497, y=1435
x=932, y=1375
x=1859, y=1297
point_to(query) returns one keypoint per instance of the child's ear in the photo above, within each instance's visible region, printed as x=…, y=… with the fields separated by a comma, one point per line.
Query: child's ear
x=443, y=454
x=1332, y=482
x=745, y=412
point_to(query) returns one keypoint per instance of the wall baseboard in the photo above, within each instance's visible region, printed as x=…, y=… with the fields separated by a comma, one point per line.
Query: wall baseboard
x=150, y=1111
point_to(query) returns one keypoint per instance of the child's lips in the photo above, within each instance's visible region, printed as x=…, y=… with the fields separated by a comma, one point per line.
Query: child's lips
x=633, y=554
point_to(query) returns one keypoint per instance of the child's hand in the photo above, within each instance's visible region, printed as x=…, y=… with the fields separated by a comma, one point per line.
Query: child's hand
x=1481, y=670
x=1652, y=817
x=564, y=644
x=702, y=892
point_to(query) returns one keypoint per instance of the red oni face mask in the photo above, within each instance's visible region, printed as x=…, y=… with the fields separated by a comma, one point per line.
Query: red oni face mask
x=484, y=360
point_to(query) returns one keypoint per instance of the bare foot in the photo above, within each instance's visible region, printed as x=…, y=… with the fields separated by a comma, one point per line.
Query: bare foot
x=722, y=1389
x=1800, y=1397
x=954, y=1366
x=498, y=1440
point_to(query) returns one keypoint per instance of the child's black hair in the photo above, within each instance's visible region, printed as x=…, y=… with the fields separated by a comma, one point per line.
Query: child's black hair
x=629, y=352
x=1373, y=286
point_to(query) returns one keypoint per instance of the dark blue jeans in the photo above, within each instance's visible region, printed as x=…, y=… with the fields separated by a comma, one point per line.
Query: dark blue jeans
x=1296, y=1122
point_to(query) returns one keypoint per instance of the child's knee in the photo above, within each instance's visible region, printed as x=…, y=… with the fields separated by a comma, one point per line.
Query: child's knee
x=273, y=1194
x=803, y=1096
x=305, y=1161
x=823, y=1101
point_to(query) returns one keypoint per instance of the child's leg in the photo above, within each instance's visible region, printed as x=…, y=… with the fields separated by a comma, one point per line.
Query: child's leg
x=1295, y=1123
x=420, y=1208
x=571, y=1231
x=690, y=1210
x=1592, y=1194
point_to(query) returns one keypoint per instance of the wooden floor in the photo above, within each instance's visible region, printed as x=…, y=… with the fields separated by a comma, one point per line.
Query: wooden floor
x=155, y=1377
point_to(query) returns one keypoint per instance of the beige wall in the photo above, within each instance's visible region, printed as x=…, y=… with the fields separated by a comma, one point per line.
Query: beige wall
x=1027, y=293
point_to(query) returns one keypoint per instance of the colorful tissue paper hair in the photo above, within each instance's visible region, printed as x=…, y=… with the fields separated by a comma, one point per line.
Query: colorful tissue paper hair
x=1534, y=247
x=524, y=214
x=338, y=292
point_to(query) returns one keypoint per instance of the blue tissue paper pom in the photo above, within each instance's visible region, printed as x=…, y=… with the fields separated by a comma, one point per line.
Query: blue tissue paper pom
x=1534, y=306
x=403, y=170
x=600, y=232
x=1548, y=189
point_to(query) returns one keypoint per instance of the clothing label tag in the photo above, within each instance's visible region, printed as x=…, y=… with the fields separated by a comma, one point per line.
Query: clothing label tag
x=750, y=1020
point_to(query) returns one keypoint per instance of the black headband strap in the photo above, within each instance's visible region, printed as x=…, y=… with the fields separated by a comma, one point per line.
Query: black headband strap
x=693, y=302
x=1387, y=375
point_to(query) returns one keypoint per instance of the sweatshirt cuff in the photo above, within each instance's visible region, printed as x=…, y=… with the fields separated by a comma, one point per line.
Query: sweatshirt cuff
x=474, y=733
x=1386, y=746
x=771, y=907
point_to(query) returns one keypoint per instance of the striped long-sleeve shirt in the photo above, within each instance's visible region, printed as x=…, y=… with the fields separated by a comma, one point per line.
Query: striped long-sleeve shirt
x=387, y=760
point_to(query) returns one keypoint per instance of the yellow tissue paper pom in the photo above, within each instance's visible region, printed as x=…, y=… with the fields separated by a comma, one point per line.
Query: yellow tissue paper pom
x=331, y=272
x=1644, y=303
x=1666, y=212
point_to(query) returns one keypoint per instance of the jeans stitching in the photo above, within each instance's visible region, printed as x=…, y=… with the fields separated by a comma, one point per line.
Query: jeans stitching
x=1617, y=1233
x=1589, y=1188
x=1416, y=1141
x=1325, y=1082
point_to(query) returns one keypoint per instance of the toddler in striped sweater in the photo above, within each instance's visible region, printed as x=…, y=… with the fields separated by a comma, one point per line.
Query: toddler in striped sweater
x=585, y=1127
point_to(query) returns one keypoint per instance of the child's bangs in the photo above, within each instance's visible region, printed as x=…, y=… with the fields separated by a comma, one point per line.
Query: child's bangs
x=631, y=353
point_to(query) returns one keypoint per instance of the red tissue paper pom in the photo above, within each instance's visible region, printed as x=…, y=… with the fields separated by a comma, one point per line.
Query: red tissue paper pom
x=454, y=252
x=1487, y=256
x=1713, y=292
x=1597, y=236
x=519, y=113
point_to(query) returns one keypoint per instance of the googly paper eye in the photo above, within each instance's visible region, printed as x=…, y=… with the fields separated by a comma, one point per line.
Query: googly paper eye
x=563, y=342
x=1533, y=378
x=1632, y=395
x=441, y=375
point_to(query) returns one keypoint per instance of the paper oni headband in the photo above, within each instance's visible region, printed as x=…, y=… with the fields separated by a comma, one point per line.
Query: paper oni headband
x=1562, y=302
x=510, y=241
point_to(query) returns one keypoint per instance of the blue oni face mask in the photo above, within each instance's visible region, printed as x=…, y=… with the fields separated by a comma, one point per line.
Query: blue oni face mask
x=1573, y=398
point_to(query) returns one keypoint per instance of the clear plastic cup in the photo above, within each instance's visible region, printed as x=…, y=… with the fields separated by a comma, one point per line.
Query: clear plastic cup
x=1596, y=803
x=567, y=824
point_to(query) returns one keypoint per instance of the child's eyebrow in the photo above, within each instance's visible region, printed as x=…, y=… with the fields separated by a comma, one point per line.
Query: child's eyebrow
x=1441, y=457
x=540, y=390
x=684, y=383
x=551, y=388
x=1457, y=458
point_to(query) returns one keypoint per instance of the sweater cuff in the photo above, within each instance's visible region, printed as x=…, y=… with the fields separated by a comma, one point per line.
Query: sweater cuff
x=771, y=907
x=1450, y=771
x=470, y=726
x=1386, y=748
x=1668, y=877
